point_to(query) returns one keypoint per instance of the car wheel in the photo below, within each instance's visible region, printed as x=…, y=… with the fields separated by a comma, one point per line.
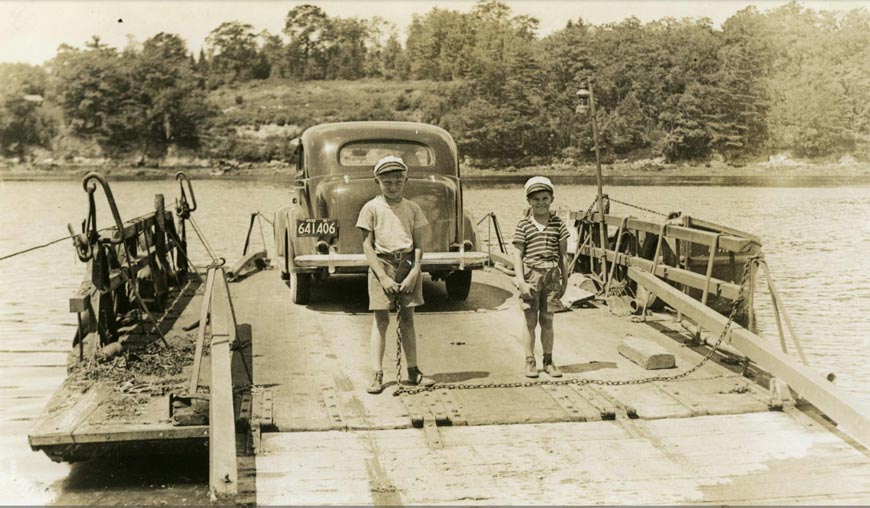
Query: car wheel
x=458, y=284
x=300, y=288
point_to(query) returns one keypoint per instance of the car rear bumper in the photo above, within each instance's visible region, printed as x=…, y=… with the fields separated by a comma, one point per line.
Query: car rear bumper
x=432, y=261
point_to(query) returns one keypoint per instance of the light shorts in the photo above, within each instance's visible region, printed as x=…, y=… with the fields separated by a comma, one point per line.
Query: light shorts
x=545, y=285
x=379, y=300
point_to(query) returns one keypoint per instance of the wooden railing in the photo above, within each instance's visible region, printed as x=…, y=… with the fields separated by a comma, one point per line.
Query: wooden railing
x=702, y=259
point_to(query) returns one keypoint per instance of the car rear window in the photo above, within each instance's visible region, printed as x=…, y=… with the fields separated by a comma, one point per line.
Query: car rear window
x=367, y=153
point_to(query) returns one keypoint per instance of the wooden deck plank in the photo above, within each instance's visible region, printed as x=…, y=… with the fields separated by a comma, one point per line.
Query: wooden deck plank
x=66, y=410
x=509, y=405
x=557, y=463
x=712, y=396
x=649, y=401
x=11, y=360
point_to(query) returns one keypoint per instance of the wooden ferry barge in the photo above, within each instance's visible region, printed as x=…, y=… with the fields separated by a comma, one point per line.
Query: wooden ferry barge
x=170, y=358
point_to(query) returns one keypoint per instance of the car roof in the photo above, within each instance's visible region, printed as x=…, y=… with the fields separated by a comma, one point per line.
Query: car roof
x=322, y=143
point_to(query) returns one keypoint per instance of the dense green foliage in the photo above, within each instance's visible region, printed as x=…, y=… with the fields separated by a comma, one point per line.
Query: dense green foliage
x=23, y=122
x=136, y=100
x=787, y=80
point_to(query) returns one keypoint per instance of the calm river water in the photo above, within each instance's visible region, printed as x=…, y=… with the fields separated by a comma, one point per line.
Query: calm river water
x=816, y=241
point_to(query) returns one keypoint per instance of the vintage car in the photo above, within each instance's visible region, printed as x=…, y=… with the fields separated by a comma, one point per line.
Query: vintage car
x=317, y=235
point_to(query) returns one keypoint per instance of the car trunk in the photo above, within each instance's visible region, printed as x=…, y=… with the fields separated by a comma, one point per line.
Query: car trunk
x=342, y=198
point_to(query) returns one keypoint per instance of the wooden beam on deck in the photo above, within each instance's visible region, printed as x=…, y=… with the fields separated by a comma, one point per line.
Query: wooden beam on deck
x=807, y=382
x=223, y=475
x=726, y=242
x=200, y=334
x=247, y=263
x=694, y=280
x=134, y=226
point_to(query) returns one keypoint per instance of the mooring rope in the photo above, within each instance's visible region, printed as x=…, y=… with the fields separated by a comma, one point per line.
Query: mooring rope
x=36, y=247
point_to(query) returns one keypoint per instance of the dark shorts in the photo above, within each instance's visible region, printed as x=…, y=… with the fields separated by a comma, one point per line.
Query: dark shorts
x=545, y=284
x=379, y=300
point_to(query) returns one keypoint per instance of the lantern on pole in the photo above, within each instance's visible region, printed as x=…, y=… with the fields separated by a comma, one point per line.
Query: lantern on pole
x=582, y=101
x=586, y=104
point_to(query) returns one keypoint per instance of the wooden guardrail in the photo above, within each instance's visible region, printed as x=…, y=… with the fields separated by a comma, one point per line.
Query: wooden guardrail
x=703, y=259
x=217, y=315
x=811, y=385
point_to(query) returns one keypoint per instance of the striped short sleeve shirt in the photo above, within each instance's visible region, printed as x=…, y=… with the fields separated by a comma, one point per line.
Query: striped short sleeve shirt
x=541, y=247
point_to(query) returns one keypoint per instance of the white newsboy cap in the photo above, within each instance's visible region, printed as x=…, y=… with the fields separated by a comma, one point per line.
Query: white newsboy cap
x=538, y=183
x=389, y=164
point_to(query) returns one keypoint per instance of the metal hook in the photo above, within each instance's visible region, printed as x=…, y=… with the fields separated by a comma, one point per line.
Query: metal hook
x=84, y=250
x=90, y=187
x=185, y=208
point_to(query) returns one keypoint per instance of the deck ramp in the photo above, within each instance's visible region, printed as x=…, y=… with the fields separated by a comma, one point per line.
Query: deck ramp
x=708, y=438
x=759, y=458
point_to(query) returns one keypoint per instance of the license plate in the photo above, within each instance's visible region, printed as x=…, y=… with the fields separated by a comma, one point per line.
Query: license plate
x=327, y=228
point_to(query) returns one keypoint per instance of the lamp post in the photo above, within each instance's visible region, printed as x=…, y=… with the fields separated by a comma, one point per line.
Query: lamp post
x=586, y=103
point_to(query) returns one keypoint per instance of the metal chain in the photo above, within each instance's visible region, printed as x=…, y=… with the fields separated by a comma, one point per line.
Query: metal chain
x=591, y=206
x=668, y=215
x=609, y=382
x=399, y=388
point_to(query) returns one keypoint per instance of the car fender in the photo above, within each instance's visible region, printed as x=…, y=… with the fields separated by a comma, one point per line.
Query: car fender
x=470, y=230
x=285, y=224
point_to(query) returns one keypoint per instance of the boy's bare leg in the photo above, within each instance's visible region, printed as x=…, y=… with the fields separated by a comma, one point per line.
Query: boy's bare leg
x=409, y=344
x=409, y=335
x=547, y=334
x=530, y=322
x=546, y=320
x=380, y=322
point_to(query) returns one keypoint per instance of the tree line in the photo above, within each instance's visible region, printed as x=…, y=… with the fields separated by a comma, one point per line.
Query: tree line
x=787, y=80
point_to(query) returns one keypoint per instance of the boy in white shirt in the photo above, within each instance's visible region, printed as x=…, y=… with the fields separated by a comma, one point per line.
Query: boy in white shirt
x=393, y=227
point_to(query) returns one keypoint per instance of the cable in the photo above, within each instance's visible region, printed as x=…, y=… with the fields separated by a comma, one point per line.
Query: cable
x=36, y=247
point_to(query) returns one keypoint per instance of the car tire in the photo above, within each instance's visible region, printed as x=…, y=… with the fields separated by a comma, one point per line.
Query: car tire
x=458, y=285
x=300, y=288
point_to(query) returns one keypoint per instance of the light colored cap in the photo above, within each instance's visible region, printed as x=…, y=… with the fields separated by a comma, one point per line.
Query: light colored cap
x=389, y=164
x=538, y=183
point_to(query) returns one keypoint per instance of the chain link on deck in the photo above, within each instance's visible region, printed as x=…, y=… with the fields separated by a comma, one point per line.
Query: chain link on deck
x=399, y=387
x=608, y=382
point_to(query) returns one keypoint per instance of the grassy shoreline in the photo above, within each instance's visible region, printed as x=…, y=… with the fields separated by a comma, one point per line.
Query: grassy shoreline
x=762, y=175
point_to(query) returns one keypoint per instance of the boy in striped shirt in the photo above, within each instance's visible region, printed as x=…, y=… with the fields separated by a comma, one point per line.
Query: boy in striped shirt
x=541, y=241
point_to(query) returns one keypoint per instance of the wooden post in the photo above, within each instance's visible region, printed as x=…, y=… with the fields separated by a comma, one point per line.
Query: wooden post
x=223, y=469
x=159, y=240
x=777, y=306
x=603, y=232
x=749, y=299
x=778, y=321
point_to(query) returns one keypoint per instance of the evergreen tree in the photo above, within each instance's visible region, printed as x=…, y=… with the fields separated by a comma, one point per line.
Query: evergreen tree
x=232, y=52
